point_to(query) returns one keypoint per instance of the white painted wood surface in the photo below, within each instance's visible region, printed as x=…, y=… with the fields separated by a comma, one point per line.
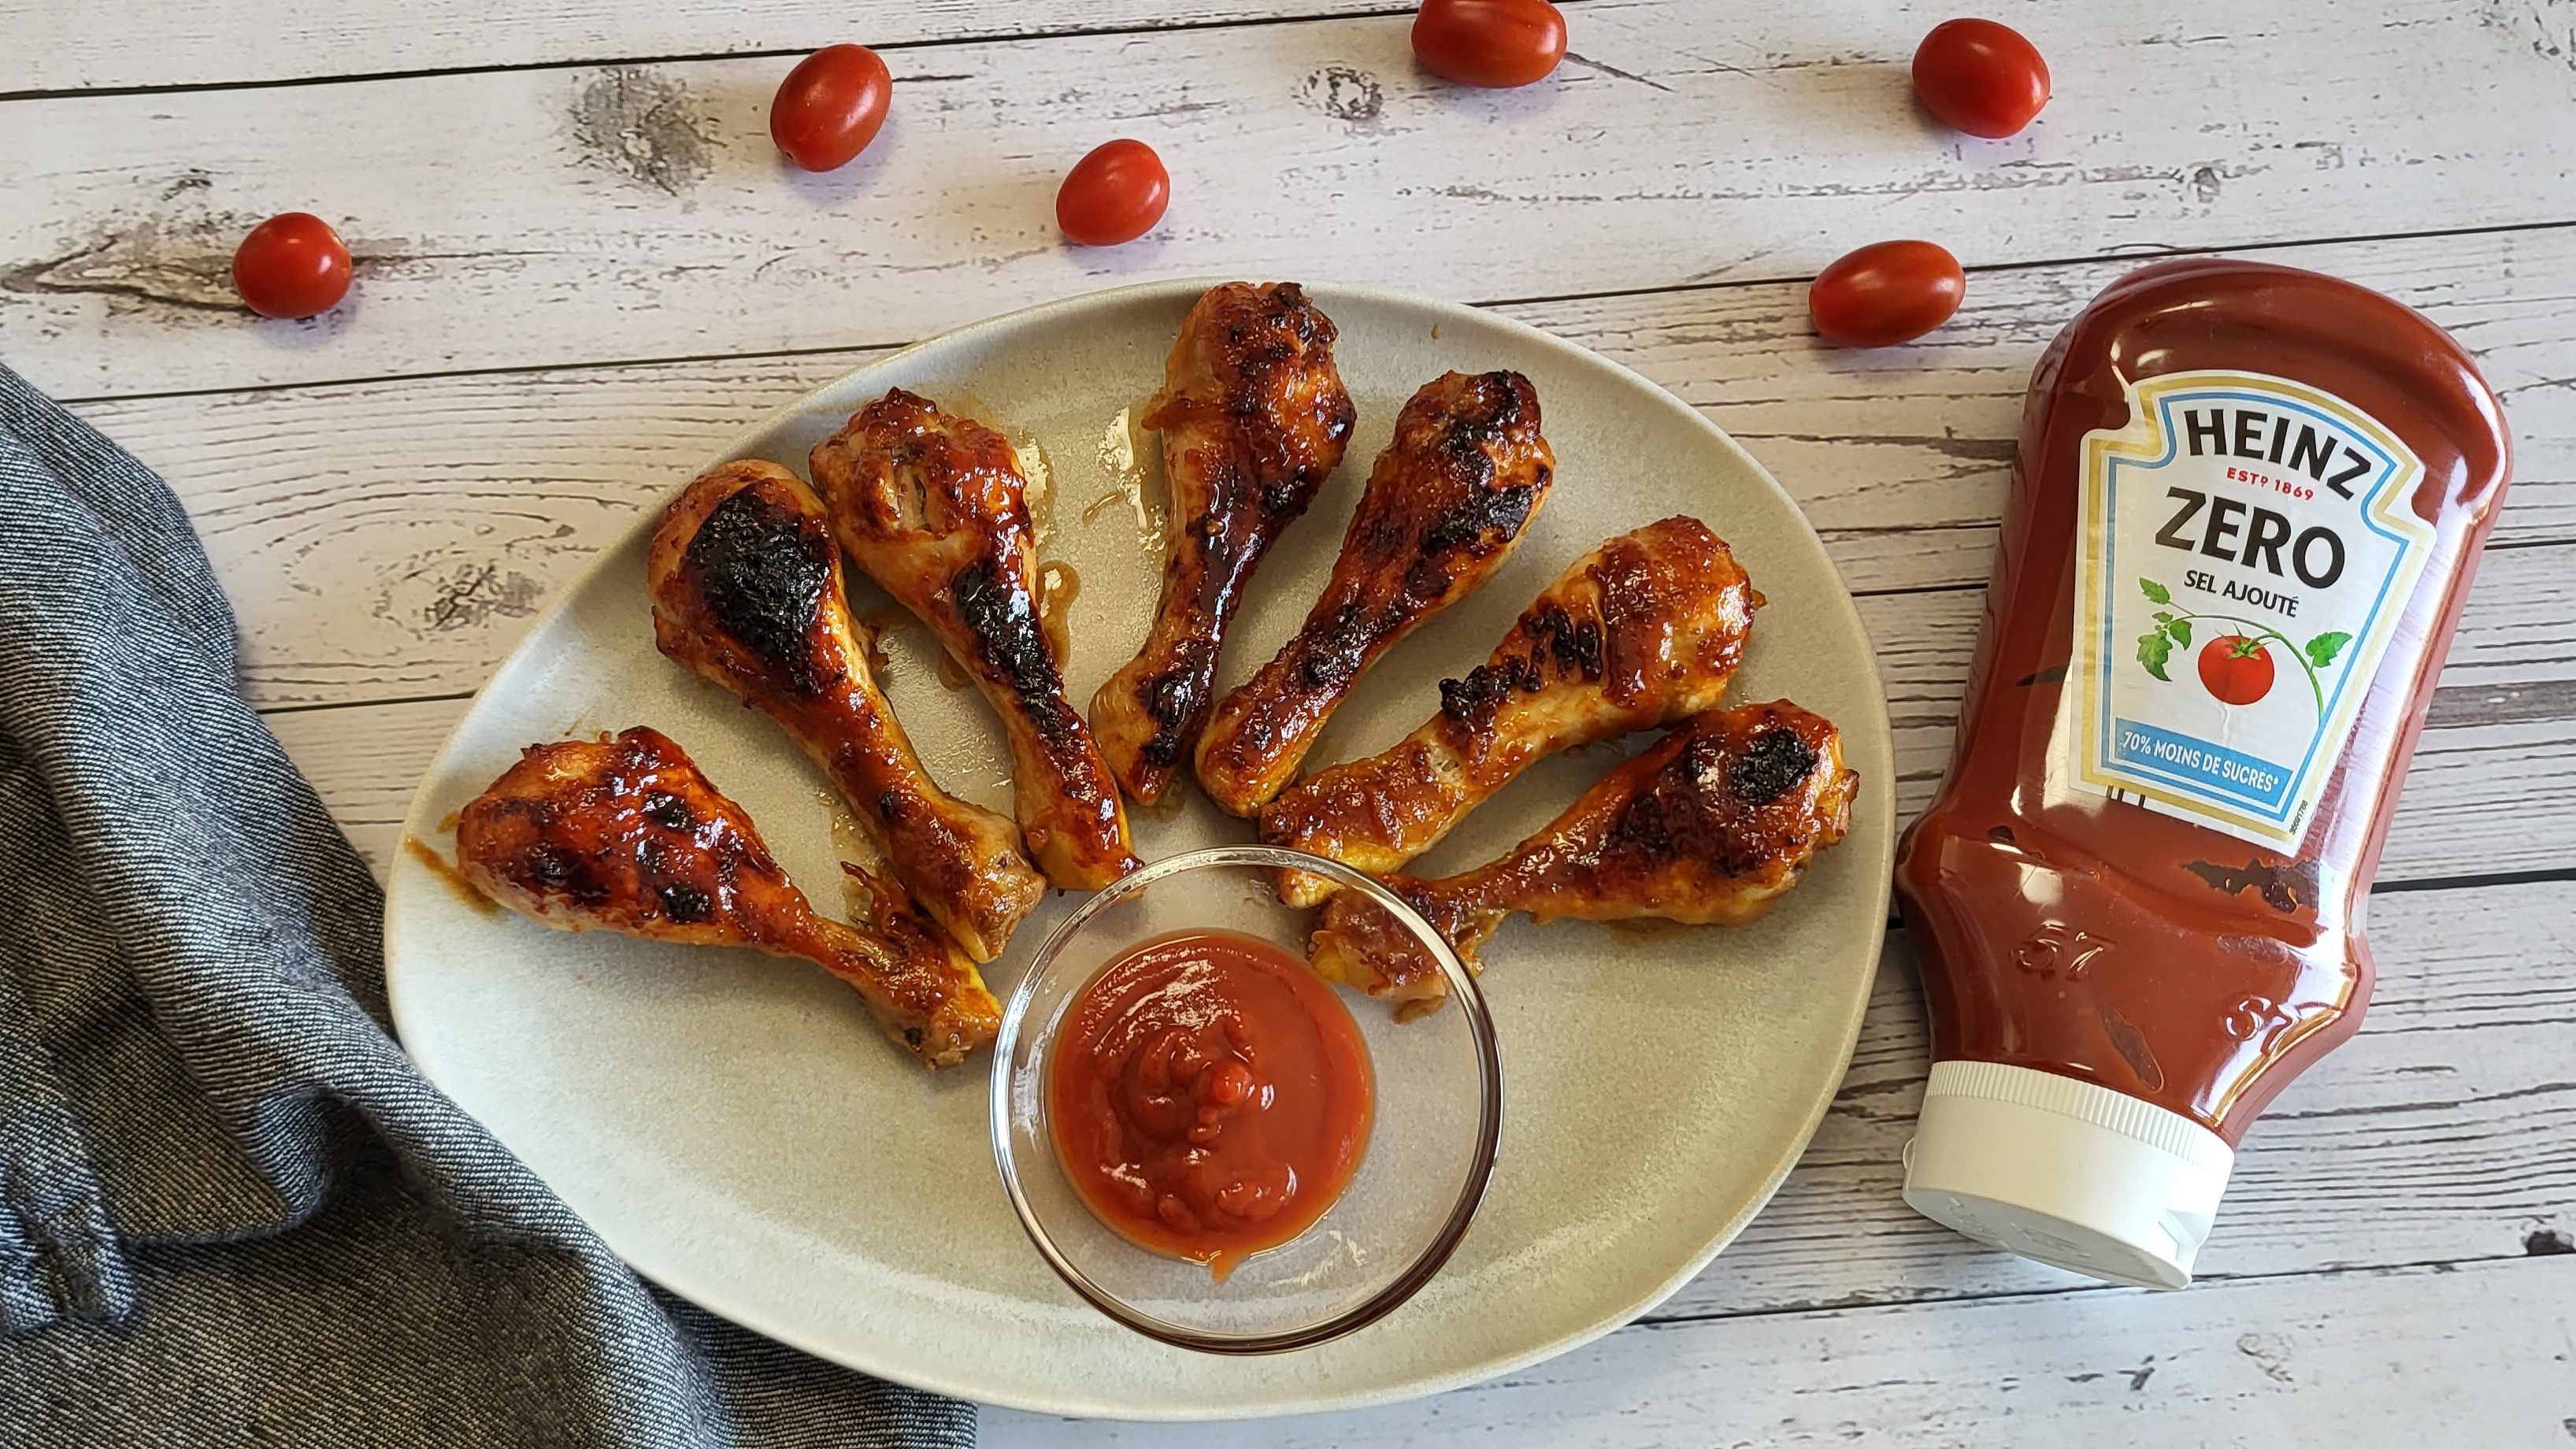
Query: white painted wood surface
x=582, y=269
x=2380, y=1356
x=73, y=47
x=530, y=217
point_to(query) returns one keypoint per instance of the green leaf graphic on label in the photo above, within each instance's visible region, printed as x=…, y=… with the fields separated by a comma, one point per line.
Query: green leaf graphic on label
x=2153, y=650
x=2321, y=650
x=2173, y=631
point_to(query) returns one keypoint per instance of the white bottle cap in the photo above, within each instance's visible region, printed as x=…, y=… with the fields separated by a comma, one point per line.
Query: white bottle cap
x=2074, y=1175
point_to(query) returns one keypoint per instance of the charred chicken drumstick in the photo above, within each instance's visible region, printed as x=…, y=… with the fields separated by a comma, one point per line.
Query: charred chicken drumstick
x=1253, y=417
x=1710, y=825
x=1445, y=506
x=934, y=509
x=1644, y=631
x=747, y=590
x=625, y=835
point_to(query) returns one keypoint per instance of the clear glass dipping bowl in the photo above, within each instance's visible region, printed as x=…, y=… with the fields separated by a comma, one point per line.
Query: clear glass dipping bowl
x=1431, y=1146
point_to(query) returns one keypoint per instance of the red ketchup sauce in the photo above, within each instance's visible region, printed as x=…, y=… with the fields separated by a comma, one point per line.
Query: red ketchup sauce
x=2243, y=520
x=1210, y=1096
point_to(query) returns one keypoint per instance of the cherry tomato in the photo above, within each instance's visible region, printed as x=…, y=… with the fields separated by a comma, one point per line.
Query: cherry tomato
x=830, y=106
x=1113, y=195
x=1885, y=293
x=1980, y=77
x=2235, y=669
x=1493, y=43
x=291, y=265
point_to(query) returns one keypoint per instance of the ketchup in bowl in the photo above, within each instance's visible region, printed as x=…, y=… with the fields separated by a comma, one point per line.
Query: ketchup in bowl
x=1210, y=1096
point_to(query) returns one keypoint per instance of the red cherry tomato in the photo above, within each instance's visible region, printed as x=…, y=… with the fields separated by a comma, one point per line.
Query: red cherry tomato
x=1493, y=43
x=1885, y=293
x=2235, y=669
x=1980, y=77
x=830, y=106
x=1113, y=195
x=292, y=265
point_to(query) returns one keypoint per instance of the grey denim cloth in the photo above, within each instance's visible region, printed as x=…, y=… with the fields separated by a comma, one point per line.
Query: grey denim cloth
x=231, y=1210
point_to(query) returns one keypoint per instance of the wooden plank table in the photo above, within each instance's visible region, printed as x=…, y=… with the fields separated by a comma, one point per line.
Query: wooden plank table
x=582, y=267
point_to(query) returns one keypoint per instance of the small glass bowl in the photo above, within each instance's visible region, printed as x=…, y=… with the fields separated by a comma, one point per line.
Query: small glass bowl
x=1439, y=1113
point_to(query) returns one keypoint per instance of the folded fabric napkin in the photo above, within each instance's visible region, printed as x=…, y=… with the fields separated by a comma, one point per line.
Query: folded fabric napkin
x=231, y=1210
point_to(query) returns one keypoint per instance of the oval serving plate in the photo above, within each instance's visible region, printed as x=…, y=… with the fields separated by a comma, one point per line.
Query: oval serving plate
x=735, y=1127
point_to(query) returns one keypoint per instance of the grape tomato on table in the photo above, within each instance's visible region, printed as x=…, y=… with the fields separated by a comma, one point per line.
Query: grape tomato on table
x=1496, y=44
x=292, y=265
x=1980, y=77
x=831, y=106
x=1886, y=293
x=1116, y=194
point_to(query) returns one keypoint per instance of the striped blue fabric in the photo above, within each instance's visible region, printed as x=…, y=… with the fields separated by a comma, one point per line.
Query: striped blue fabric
x=231, y=1211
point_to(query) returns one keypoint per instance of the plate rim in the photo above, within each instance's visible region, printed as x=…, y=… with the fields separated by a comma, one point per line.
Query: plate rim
x=407, y=877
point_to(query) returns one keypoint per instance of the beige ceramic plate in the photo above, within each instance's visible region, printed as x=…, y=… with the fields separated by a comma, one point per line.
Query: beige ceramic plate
x=736, y=1129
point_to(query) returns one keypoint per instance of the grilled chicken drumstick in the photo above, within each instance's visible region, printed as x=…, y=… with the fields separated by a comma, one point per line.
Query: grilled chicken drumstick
x=934, y=509
x=1253, y=417
x=1710, y=825
x=1644, y=631
x=747, y=590
x=1445, y=506
x=625, y=835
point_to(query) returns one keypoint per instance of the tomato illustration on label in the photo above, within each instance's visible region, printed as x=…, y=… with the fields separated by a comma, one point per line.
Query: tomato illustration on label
x=2236, y=667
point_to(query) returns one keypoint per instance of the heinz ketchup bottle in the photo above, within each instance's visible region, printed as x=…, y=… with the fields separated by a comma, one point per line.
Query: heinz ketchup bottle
x=2244, y=515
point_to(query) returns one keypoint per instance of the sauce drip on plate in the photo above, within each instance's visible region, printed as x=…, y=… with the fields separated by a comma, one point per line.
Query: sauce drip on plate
x=1210, y=1096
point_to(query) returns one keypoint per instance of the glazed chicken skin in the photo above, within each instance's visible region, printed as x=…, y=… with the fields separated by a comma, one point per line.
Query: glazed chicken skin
x=1253, y=417
x=1708, y=826
x=748, y=591
x=1645, y=630
x=626, y=835
x=932, y=506
x=1445, y=506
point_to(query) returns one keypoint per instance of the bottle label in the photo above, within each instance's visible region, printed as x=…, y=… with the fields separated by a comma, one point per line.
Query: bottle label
x=2245, y=547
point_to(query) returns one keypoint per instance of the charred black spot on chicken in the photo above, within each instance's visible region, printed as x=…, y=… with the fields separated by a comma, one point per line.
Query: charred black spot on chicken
x=685, y=904
x=1173, y=699
x=1488, y=517
x=548, y=866
x=1777, y=762
x=1333, y=653
x=668, y=811
x=1472, y=702
x=1004, y=620
x=1576, y=646
x=562, y=872
x=1492, y=402
x=1682, y=812
x=763, y=567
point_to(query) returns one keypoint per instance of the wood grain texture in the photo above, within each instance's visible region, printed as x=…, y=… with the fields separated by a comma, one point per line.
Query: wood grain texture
x=2476, y=1355
x=401, y=533
x=216, y=42
x=530, y=217
x=1898, y=454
